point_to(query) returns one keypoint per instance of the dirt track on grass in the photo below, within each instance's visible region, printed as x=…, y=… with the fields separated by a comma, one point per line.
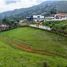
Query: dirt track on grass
x=43, y=52
x=27, y=48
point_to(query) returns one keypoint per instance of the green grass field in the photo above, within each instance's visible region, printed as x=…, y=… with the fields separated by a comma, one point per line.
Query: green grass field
x=54, y=47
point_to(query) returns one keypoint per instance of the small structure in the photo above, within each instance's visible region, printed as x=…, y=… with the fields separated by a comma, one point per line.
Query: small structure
x=60, y=16
x=3, y=27
x=38, y=18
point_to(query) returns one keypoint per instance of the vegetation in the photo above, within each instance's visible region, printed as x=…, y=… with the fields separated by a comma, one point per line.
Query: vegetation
x=51, y=45
x=57, y=25
x=30, y=47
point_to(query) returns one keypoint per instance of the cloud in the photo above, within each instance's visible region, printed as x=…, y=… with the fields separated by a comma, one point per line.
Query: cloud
x=6, y=5
x=39, y=1
x=11, y=1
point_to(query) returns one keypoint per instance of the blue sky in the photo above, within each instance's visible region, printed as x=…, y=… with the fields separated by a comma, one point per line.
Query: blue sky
x=6, y=5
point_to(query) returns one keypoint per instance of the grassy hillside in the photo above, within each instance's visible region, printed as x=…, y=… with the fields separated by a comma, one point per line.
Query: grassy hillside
x=53, y=46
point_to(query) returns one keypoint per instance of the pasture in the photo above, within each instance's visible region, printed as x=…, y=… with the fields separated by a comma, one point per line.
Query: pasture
x=42, y=46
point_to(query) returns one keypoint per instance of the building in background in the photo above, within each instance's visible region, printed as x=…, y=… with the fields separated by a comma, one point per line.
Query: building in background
x=60, y=16
x=35, y=18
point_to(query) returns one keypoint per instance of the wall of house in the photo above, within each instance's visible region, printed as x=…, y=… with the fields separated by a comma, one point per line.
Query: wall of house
x=38, y=18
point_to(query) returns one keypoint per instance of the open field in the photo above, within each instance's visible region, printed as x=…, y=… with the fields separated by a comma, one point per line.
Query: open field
x=47, y=47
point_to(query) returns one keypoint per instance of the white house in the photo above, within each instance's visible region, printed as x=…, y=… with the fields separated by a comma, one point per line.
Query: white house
x=38, y=18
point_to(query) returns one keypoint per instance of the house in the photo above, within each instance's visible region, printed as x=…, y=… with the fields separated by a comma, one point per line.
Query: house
x=60, y=16
x=3, y=27
x=29, y=18
x=57, y=17
x=36, y=18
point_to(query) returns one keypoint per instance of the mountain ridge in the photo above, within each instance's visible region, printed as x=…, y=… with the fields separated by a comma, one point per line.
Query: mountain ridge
x=44, y=8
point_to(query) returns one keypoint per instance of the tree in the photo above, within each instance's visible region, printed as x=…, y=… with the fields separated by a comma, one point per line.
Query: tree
x=53, y=10
x=10, y=22
x=5, y=21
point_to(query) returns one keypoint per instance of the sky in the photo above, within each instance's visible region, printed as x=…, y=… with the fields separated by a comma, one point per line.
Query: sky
x=6, y=5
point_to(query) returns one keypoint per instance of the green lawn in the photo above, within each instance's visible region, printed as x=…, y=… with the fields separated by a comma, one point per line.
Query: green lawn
x=37, y=39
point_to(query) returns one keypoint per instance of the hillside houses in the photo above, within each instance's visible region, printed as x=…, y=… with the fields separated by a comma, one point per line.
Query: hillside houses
x=53, y=17
x=57, y=17
x=36, y=18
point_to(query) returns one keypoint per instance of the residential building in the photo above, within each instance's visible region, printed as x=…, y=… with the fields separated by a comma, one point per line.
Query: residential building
x=60, y=16
x=36, y=18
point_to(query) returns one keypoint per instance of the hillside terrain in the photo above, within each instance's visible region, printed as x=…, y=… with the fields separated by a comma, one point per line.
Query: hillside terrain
x=43, y=47
x=24, y=46
x=45, y=8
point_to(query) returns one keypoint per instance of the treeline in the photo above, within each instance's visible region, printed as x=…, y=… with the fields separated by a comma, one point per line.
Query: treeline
x=6, y=24
x=58, y=26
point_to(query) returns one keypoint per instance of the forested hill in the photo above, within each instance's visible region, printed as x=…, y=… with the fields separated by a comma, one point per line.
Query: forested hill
x=45, y=8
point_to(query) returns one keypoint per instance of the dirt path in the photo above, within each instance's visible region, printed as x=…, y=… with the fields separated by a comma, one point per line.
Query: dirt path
x=27, y=48
x=43, y=52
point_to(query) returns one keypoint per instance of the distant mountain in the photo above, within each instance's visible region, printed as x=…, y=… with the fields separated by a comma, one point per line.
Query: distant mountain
x=45, y=8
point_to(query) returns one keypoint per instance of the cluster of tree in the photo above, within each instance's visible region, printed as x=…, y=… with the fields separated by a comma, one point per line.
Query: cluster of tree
x=11, y=23
x=6, y=24
x=60, y=26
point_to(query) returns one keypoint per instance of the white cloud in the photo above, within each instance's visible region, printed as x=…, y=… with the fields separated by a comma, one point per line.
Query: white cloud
x=11, y=1
x=6, y=5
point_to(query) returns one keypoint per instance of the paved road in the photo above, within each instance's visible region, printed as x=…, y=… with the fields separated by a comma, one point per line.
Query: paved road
x=41, y=27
